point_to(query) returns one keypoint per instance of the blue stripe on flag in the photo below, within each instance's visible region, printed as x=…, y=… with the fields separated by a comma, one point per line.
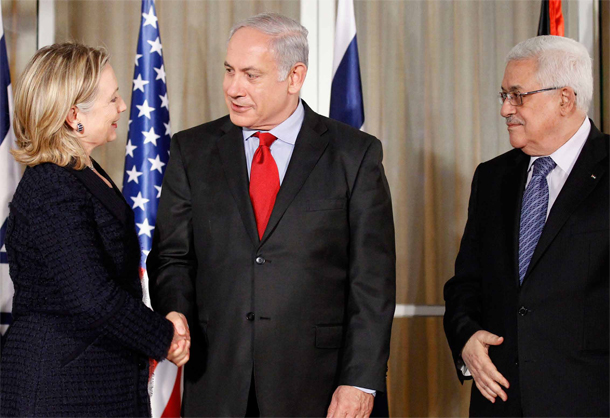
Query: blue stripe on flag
x=5, y=81
x=346, y=103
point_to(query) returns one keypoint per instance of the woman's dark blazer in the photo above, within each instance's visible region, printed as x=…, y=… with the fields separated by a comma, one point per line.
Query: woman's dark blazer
x=81, y=337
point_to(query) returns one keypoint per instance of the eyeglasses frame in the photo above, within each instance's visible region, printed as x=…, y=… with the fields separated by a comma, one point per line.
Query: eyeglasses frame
x=503, y=95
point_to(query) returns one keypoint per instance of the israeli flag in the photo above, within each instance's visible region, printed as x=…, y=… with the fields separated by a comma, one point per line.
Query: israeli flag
x=10, y=173
x=346, y=104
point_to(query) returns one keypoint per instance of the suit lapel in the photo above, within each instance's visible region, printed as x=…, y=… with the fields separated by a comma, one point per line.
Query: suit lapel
x=116, y=205
x=513, y=187
x=308, y=148
x=591, y=164
x=233, y=157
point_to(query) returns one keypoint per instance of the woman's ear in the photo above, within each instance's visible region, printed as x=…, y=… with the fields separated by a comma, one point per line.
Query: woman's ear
x=72, y=118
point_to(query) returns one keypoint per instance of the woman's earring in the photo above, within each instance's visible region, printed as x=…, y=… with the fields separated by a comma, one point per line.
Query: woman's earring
x=80, y=127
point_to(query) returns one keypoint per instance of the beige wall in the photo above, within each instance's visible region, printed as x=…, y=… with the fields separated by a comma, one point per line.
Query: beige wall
x=431, y=72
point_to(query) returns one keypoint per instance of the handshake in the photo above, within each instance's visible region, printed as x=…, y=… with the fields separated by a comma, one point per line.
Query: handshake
x=180, y=349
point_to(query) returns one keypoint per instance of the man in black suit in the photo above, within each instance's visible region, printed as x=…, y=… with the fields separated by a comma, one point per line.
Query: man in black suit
x=275, y=239
x=527, y=310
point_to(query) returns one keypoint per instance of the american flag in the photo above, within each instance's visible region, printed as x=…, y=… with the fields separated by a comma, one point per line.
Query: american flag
x=146, y=156
x=9, y=177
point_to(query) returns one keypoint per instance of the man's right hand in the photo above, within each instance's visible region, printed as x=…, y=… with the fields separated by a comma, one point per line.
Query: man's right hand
x=179, y=351
x=487, y=378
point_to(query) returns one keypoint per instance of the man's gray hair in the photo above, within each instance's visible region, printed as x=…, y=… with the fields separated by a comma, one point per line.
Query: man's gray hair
x=562, y=62
x=288, y=39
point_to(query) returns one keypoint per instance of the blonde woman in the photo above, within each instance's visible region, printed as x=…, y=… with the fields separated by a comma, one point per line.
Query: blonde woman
x=81, y=337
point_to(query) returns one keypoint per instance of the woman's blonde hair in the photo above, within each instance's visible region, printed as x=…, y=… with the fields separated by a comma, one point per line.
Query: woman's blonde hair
x=57, y=78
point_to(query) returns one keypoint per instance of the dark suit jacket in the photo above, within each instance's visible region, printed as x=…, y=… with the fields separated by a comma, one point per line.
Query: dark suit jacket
x=555, y=326
x=306, y=308
x=81, y=336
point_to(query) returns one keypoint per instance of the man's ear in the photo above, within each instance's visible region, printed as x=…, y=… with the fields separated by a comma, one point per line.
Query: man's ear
x=568, y=101
x=72, y=118
x=296, y=78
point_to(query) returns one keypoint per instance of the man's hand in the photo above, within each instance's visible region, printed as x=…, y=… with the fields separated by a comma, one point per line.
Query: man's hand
x=179, y=351
x=350, y=402
x=487, y=378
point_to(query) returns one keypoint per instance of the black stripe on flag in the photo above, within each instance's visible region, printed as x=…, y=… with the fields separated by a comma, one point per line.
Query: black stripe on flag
x=544, y=24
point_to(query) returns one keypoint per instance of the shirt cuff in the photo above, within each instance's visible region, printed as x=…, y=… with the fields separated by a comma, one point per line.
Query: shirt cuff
x=369, y=391
x=463, y=368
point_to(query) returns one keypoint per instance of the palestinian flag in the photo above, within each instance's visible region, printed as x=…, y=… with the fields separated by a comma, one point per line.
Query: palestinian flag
x=551, y=18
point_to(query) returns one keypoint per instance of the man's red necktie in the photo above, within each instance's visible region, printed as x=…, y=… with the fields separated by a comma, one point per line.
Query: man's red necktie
x=264, y=181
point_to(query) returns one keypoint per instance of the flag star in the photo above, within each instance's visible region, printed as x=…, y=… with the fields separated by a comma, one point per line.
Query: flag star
x=138, y=56
x=150, y=136
x=158, y=191
x=133, y=175
x=150, y=18
x=129, y=124
x=146, y=252
x=145, y=228
x=138, y=83
x=160, y=73
x=157, y=164
x=168, y=129
x=145, y=109
x=155, y=46
x=164, y=101
x=129, y=149
x=139, y=201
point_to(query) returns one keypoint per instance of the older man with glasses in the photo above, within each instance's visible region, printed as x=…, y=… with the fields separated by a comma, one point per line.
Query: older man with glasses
x=527, y=310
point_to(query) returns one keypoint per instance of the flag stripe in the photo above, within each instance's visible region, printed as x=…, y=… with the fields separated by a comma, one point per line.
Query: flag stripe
x=556, y=17
x=544, y=24
x=5, y=81
x=345, y=31
x=346, y=103
x=172, y=410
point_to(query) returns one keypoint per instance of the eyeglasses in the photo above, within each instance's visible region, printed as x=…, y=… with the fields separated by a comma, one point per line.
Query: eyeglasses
x=516, y=99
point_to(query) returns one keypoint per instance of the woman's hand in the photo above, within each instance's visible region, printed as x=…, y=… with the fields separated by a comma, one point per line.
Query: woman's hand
x=180, y=349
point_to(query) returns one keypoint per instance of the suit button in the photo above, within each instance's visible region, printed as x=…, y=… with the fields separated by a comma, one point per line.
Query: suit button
x=260, y=260
x=523, y=311
x=250, y=316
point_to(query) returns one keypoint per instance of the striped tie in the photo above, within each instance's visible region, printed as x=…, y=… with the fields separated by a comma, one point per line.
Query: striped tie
x=533, y=212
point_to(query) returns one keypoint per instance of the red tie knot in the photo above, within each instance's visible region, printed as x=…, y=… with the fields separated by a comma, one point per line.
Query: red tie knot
x=265, y=138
